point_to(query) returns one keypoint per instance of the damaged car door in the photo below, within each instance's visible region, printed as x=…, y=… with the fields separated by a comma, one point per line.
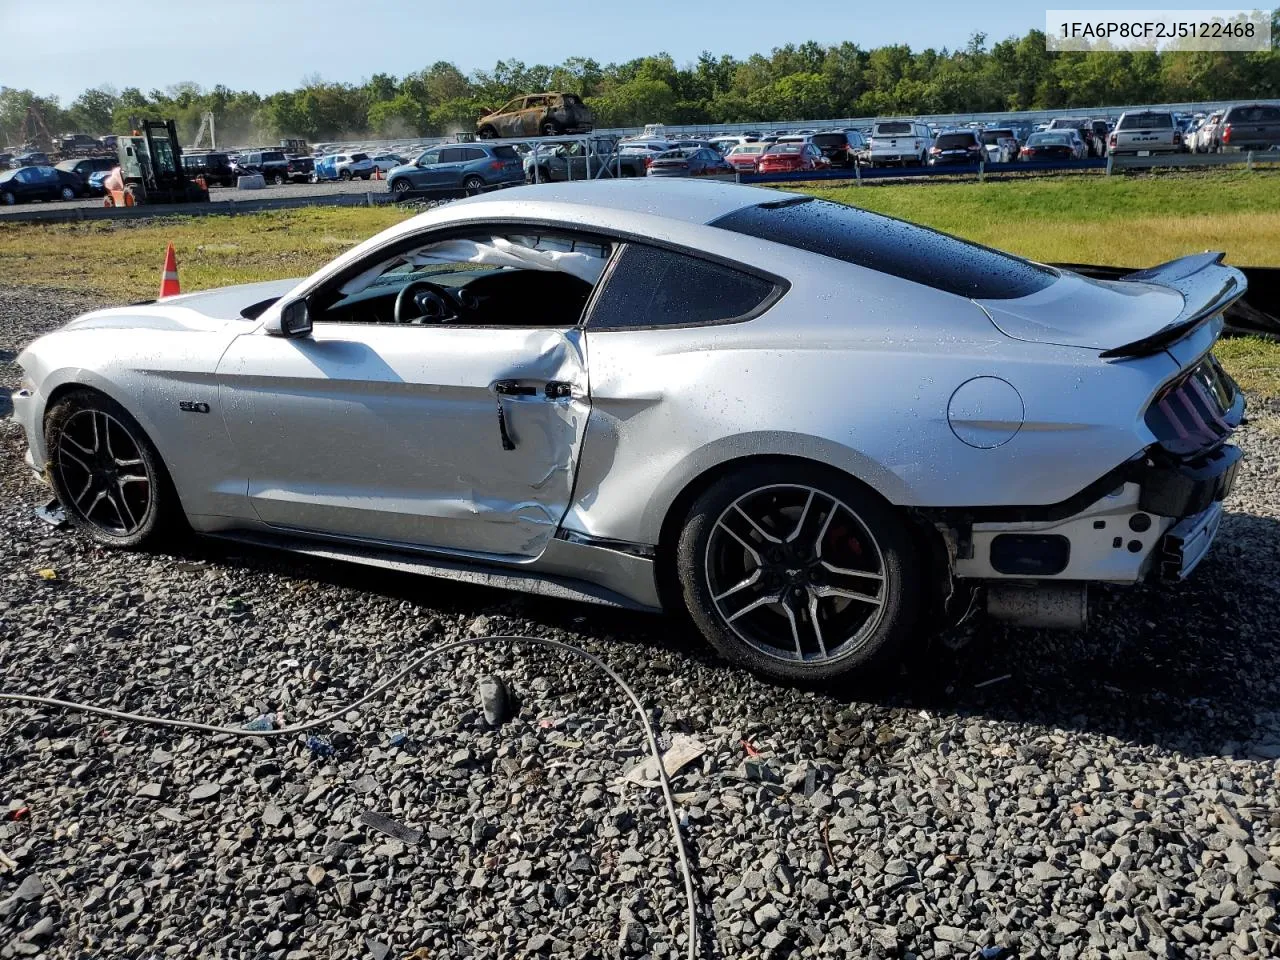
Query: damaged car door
x=454, y=437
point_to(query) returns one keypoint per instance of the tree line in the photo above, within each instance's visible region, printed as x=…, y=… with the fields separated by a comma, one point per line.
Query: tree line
x=805, y=81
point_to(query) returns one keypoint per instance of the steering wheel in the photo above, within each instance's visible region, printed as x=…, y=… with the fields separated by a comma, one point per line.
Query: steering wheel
x=434, y=303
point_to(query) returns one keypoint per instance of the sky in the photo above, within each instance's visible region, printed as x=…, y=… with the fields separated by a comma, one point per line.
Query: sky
x=64, y=46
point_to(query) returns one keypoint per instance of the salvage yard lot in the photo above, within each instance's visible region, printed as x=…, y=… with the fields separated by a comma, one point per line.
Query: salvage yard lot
x=1111, y=793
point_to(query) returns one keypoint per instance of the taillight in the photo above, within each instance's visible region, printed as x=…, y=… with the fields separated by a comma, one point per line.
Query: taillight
x=1112, y=140
x=1226, y=133
x=496, y=165
x=648, y=161
x=1177, y=137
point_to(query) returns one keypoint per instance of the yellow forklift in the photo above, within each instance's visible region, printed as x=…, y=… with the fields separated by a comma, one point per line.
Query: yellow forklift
x=151, y=169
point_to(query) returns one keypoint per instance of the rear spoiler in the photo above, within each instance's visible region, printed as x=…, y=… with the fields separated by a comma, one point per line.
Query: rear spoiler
x=1208, y=287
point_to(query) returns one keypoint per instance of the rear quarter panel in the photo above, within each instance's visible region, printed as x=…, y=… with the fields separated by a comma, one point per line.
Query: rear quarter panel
x=853, y=369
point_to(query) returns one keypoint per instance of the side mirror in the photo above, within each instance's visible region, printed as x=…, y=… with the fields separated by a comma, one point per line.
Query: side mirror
x=293, y=320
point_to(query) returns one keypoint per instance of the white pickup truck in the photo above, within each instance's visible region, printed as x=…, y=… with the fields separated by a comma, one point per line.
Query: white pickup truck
x=899, y=141
x=1143, y=133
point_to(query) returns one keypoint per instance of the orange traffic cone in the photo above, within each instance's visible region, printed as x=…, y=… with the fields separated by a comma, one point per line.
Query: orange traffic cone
x=377, y=173
x=169, y=278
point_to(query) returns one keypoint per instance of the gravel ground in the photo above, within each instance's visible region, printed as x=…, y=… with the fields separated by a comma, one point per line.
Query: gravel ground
x=230, y=194
x=1114, y=795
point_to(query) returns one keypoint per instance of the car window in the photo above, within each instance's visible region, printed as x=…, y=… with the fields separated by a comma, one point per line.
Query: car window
x=891, y=246
x=892, y=129
x=1145, y=121
x=473, y=153
x=451, y=155
x=950, y=141
x=429, y=157
x=505, y=152
x=651, y=287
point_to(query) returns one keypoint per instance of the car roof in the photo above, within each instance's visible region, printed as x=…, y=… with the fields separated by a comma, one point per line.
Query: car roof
x=611, y=201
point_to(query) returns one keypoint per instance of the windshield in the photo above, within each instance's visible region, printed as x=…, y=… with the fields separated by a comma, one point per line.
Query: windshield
x=785, y=148
x=995, y=136
x=892, y=129
x=1145, y=121
x=746, y=148
x=1049, y=139
x=952, y=141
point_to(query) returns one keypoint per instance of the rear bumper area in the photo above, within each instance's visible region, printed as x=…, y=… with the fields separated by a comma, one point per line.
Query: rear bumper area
x=1157, y=524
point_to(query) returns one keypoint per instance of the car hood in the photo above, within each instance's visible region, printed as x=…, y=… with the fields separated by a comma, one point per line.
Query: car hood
x=203, y=312
x=1076, y=311
x=404, y=168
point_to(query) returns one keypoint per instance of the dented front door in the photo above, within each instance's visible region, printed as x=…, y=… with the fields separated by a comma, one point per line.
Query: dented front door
x=461, y=439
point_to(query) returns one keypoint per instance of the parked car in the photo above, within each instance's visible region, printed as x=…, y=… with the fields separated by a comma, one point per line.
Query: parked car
x=38, y=183
x=96, y=185
x=1062, y=144
x=725, y=144
x=214, y=167
x=790, y=157
x=343, y=166
x=568, y=161
x=679, y=419
x=841, y=148
x=1101, y=130
x=32, y=158
x=899, y=142
x=272, y=164
x=1206, y=137
x=746, y=156
x=85, y=167
x=1254, y=126
x=1084, y=129
x=1144, y=132
x=956, y=147
x=689, y=162
x=469, y=167
x=539, y=114
x=1001, y=144
x=300, y=169
x=388, y=161
x=78, y=143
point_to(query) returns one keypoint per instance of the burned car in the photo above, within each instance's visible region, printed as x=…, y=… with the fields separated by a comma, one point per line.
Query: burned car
x=815, y=428
x=538, y=115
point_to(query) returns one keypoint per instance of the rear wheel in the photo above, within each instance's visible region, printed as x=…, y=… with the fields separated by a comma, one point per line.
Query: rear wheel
x=550, y=128
x=798, y=572
x=106, y=473
x=473, y=185
x=345, y=175
x=487, y=133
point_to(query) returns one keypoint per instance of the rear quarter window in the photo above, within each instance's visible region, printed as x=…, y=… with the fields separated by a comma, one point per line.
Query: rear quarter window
x=506, y=153
x=651, y=287
x=892, y=129
x=891, y=246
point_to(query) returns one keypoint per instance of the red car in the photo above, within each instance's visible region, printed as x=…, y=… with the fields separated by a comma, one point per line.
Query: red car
x=745, y=156
x=792, y=157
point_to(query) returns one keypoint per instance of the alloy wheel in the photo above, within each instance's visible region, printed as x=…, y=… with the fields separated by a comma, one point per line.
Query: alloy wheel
x=796, y=574
x=104, y=473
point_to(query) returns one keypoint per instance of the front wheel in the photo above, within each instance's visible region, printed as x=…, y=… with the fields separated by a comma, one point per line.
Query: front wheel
x=550, y=129
x=278, y=179
x=8, y=198
x=106, y=473
x=798, y=572
x=401, y=187
x=346, y=175
x=68, y=193
x=487, y=133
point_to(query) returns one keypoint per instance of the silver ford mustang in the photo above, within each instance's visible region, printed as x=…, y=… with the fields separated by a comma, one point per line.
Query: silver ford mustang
x=816, y=429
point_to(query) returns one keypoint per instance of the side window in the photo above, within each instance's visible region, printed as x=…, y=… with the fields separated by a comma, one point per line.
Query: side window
x=452, y=155
x=473, y=153
x=650, y=287
x=430, y=157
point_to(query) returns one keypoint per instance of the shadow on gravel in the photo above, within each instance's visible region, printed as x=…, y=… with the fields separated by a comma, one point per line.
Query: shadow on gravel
x=1188, y=667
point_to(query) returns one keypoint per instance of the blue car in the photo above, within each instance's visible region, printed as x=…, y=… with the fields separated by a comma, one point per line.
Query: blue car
x=454, y=167
x=96, y=185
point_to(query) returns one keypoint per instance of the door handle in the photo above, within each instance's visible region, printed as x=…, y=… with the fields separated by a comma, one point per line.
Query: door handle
x=552, y=390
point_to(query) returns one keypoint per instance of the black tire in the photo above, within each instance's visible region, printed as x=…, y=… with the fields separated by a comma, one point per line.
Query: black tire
x=400, y=186
x=851, y=633
x=549, y=128
x=68, y=193
x=278, y=180
x=473, y=185
x=487, y=133
x=345, y=175
x=138, y=521
x=8, y=198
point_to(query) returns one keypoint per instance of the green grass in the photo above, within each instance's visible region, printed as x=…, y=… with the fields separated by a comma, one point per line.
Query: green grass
x=1124, y=220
